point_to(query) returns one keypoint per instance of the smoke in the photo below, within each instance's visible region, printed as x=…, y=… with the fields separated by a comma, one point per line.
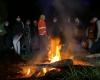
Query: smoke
x=63, y=10
x=67, y=9
x=70, y=7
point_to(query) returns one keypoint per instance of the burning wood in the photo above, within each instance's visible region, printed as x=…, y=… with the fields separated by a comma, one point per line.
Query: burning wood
x=56, y=60
x=57, y=64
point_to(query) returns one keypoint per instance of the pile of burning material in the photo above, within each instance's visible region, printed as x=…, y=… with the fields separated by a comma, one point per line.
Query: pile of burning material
x=59, y=70
x=58, y=67
x=63, y=70
x=55, y=61
x=38, y=69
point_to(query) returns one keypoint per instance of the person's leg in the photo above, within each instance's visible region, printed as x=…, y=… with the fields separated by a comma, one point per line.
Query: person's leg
x=90, y=43
x=18, y=43
x=44, y=47
x=15, y=43
x=95, y=47
x=18, y=47
x=28, y=44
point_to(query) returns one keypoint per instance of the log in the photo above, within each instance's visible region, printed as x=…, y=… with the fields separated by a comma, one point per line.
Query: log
x=62, y=63
x=57, y=64
x=93, y=59
x=93, y=55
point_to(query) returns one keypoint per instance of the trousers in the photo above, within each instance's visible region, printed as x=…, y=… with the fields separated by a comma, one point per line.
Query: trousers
x=16, y=43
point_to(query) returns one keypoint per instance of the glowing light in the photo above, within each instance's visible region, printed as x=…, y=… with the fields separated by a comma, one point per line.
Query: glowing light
x=28, y=72
x=54, y=53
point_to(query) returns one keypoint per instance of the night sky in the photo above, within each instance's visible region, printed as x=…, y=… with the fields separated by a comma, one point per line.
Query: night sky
x=33, y=8
x=24, y=8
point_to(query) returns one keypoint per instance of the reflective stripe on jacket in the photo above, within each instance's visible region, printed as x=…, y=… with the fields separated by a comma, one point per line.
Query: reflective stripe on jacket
x=42, y=27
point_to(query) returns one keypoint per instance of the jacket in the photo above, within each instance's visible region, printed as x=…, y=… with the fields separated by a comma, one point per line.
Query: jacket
x=42, y=27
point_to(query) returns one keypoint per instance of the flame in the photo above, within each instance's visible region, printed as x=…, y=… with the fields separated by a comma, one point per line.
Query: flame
x=28, y=71
x=44, y=70
x=54, y=54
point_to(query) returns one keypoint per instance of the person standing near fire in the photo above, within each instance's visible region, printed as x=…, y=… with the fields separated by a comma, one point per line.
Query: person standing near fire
x=42, y=26
x=92, y=32
x=95, y=48
x=27, y=36
x=8, y=35
x=17, y=32
x=42, y=34
x=98, y=28
x=35, y=36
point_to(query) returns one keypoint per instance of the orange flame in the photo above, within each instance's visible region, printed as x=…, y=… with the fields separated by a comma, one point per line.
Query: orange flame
x=28, y=71
x=54, y=53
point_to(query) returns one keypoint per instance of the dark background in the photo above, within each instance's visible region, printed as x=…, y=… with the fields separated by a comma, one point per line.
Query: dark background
x=33, y=8
x=24, y=8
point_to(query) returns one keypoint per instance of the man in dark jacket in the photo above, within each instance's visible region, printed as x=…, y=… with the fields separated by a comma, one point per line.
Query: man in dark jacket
x=27, y=35
x=8, y=35
x=17, y=32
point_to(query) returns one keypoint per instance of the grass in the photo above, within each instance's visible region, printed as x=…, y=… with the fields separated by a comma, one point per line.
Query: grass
x=74, y=73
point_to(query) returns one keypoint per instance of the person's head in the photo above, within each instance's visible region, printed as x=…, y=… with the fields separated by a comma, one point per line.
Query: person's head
x=6, y=23
x=28, y=22
x=93, y=20
x=42, y=16
x=77, y=21
x=55, y=20
x=18, y=19
x=35, y=22
x=68, y=19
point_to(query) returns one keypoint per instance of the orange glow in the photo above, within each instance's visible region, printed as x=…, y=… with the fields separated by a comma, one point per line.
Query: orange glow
x=44, y=71
x=28, y=71
x=54, y=53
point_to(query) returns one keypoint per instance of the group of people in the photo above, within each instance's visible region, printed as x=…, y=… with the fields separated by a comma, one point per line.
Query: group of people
x=20, y=35
x=91, y=42
x=87, y=35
